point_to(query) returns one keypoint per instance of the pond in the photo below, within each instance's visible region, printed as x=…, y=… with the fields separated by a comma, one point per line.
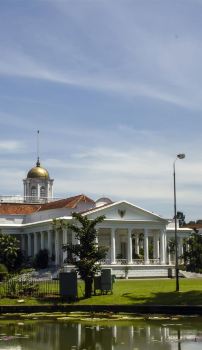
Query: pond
x=137, y=334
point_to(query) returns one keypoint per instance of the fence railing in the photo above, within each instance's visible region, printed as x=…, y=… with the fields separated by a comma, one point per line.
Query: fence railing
x=16, y=286
x=135, y=262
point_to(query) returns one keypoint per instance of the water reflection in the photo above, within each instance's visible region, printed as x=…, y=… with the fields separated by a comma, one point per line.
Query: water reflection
x=131, y=336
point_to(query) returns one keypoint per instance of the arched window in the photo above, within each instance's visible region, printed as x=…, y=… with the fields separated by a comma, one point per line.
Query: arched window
x=42, y=192
x=33, y=191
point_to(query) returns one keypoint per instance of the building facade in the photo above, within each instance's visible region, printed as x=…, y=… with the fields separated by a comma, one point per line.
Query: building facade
x=137, y=239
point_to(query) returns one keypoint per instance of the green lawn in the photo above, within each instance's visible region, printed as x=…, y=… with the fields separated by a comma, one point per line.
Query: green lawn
x=155, y=291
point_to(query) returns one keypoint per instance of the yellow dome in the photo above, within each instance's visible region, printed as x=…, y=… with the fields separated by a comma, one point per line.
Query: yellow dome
x=38, y=171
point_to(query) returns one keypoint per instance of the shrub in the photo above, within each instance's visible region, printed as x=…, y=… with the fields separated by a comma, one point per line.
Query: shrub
x=41, y=259
x=3, y=271
x=26, y=270
x=17, y=286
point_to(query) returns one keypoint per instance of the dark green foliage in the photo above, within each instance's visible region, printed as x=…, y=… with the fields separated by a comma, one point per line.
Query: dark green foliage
x=3, y=272
x=85, y=255
x=41, y=259
x=18, y=286
x=181, y=218
x=20, y=261
x=171, y=245
x=9, y=251
x=3, y=268
x=193, y=256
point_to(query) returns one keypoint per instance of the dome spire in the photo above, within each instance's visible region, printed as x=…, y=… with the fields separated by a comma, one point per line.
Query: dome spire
x=38, y=186
x=38, y=161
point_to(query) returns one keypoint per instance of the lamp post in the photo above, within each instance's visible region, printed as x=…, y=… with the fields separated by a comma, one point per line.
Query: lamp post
x=179, y=156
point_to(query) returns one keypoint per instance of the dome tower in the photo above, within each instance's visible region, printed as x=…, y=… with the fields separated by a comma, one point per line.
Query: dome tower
x=38, y=187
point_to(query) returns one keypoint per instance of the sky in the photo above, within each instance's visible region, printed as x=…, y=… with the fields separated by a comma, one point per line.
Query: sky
x=115, y=88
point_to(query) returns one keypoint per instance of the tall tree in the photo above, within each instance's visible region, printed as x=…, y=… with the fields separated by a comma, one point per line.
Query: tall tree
x=181, y=218
x=193, y=256
x=9, y=250
x=86, y=254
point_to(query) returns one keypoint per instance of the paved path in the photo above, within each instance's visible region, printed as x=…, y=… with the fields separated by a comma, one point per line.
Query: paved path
x=187, y=274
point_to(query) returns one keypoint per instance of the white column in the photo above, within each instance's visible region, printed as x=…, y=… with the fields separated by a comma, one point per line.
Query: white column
x=146, y=247
x=166, y=249
x=64, y=242
x=162, y=247
x=169, y=257
x=23, y=242
x=181, y=246
x=130, y=247
x=50, y=243
x=29, y=244
x=113, y=246
x=42, y=233
x=156, y=246
x=137, y=247
x=38, y=191
x=57, y=252
x=35, y=244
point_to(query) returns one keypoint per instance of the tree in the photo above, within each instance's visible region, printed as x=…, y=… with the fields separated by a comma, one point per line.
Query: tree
x=193, y=256
x=9, y=250
x=85, y=255
x=41, y=259
x=181, y=218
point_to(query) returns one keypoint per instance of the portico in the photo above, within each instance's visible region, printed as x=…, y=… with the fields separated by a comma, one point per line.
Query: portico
x=137, y=240
x=134, y=237
x=131, y=245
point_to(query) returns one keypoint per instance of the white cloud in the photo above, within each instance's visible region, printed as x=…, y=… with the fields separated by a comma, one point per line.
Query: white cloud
x=137, y=173
x=11, y=146
x=11, y=181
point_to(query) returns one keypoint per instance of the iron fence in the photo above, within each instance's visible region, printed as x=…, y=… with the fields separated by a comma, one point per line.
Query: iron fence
x=17, y=286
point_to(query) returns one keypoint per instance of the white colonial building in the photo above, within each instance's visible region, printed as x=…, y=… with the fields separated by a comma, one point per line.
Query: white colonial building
x=137, y=239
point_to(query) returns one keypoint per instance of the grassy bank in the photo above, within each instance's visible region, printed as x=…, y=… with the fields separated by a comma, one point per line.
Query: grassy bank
x=131, y=292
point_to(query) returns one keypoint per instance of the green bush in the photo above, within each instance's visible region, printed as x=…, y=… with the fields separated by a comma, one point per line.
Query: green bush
x=26, y=270
x=16, y=286
x=3, y=268
x=41, y=259
x=3, y=272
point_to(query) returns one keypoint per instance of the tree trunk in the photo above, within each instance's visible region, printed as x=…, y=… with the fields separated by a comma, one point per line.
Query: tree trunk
x=88, y=287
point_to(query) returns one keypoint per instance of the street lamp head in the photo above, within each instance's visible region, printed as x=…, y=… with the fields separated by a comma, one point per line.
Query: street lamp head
x=181, y=156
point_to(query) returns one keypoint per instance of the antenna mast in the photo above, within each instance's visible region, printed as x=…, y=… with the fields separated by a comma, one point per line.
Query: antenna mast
x=38, y=162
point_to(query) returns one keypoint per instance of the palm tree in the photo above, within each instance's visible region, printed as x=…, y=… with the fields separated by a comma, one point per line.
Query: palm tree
x=9, y=250
x=85, y=255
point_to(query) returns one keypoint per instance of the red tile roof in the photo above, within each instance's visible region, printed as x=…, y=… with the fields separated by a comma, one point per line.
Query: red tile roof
x=25, y=208
x=18, y=208
x=70, y=202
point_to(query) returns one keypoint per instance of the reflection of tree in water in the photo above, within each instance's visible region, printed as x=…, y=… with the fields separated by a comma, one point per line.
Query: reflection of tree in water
x=128, y=337
x=68, y=336
x=178, y=338
x=141, y=337
x=96, y=338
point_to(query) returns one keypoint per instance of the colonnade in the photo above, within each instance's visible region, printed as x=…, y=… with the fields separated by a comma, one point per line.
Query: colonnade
x=32, y=242
x=134, y=241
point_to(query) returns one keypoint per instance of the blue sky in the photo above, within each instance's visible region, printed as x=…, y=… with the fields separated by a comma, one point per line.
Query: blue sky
x=115, y=88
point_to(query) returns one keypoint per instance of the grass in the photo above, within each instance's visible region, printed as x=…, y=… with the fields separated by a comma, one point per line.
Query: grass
x=147, y=292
